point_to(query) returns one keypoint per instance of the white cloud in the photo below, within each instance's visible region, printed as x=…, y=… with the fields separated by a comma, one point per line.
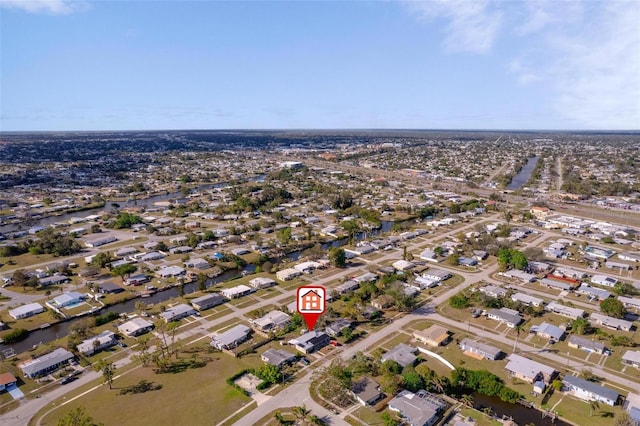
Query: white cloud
x=584, y=55
x=53, y=7
x=472, y=25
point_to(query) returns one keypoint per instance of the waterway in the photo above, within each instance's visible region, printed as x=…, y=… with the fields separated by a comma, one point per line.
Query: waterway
x=518, y=413
x=524, y=174
x=60, y=329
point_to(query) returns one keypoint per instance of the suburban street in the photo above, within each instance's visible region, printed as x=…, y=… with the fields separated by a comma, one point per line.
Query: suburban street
x=297, y=393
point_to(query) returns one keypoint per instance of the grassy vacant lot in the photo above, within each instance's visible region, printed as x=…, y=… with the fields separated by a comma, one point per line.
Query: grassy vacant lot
x=200, y=395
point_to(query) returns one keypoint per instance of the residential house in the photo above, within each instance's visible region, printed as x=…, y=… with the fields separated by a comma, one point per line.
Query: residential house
x=288, y=274
x=95, y=344
x=507, y=316
x=66, y=300
x=46, y=363
x=367, y=277
x=152, y=255
x=176, y=313
x=171, y=272
x=100, y=241
x=125, y=251
x=555, y=284
x=237, y=291
x=402, y=353
x=403, y=265
x=528, y=370
x=337, y=327
x=26, y=311
x=53, y=280
x=433, y=336
x=610, y=322
x=109, y=288
x=306, y=267
x=197, y=263
x=565, y=311
x=208, y=301
x=137, y=279
x=346, y=287
x=630, y=302
x=7, y=380
x=383, y=302
x=527, y=300
x=604, y=280
x=180, y=250
x=587, y=345
x=479, y=350
x=437, y=274
x=467, y=261
x=548, y=331
x=422, y=409
x=631, y=358
x=367, y=392
x=135, y=327
x=493, y=291
x=311, y=341
x=273, y=320
x=428, y=255
x=421, y=282
x=278, y=357
x=231, y=338
x=589, y=391
x=261, y=282
x=593, y=293
x=519, y=275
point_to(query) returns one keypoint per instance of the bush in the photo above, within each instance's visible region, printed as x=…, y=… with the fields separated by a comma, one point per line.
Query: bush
x=16, y=335
x=105, y=318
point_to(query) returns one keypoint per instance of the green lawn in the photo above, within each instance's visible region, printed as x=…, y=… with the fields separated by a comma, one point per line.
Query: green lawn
x=190, y=394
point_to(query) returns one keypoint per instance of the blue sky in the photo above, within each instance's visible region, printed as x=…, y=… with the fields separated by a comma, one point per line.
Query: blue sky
x=458, y=64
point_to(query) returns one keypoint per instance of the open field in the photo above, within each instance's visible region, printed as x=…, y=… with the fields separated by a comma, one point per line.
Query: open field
x=163, y=407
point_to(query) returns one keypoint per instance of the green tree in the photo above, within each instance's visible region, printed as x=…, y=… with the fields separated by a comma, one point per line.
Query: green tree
x=202, y=282
x=459, y=301
x=389, y=419
x=352, y=228
x=126, y=220
x=412, y=380
x=101, y=259
x=108, y=370
x=124, y=271
x=77, y=417
x=613, y=307
x=269, y=373
x=284, y=236
x=337, y=257
x=580, y=326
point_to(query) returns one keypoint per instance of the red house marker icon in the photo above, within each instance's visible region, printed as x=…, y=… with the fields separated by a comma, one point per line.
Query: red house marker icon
x=311, y=303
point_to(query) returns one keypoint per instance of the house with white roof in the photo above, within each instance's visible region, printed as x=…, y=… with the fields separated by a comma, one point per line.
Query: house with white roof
x=610, y=322
x=507, y=316
x=288, y=274
x=237, y=291
x=526, y=299
x=26, y=311
x=135, y=327
x=604, y=280
x=273, y=320
x=261, y=282
x=528, y=370
x=565, y=311
x=589, y=391
x=171, y=272
x=176, y=313
x=95, y=344
x=231, y=338
x=631, y=358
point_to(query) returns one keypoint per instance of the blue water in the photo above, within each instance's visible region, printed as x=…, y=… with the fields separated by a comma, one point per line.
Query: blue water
x=524, y=174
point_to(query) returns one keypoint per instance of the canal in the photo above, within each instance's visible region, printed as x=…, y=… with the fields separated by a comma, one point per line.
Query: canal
x=524, y=174
x=58, y=330
x=518, y=413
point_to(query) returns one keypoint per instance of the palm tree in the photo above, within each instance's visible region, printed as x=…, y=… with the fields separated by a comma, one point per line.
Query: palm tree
x=593, y=405
x=467, y=400
x=279, y=418
x=438, y=383
x=518, y=328
x=301, y=412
